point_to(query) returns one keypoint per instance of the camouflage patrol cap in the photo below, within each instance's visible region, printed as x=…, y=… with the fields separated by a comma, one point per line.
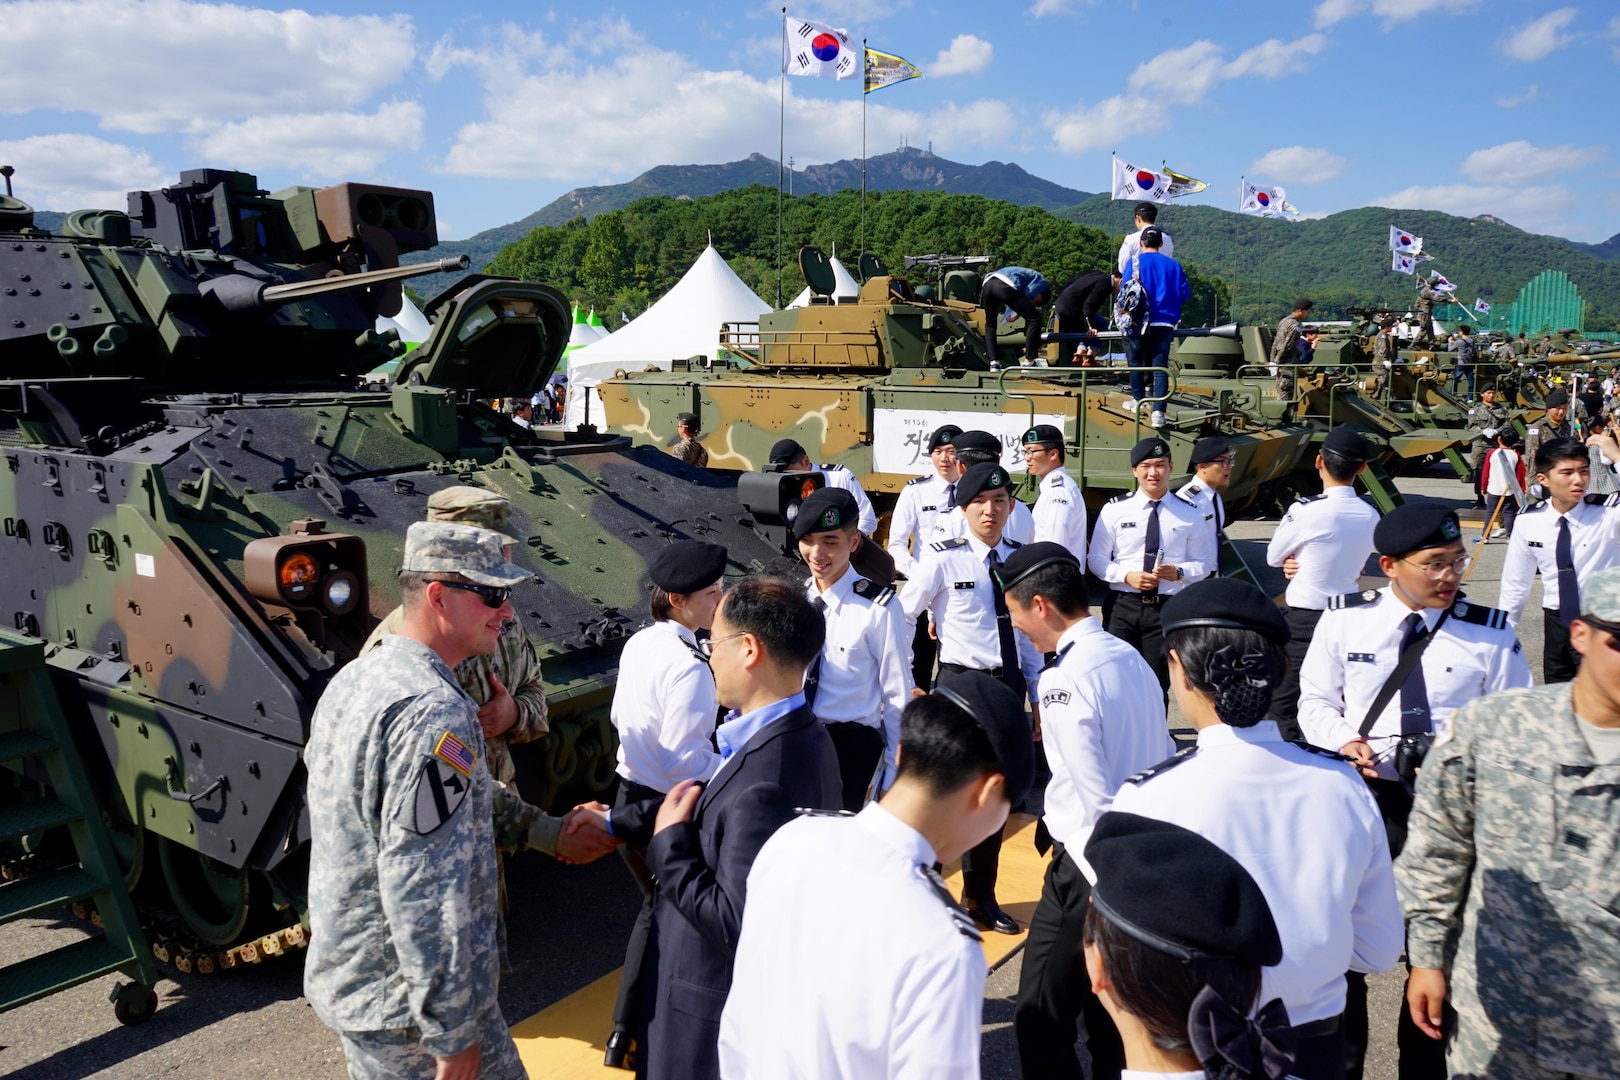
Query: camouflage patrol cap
x=473, y=506
x=444, y=547
x=1600, y=598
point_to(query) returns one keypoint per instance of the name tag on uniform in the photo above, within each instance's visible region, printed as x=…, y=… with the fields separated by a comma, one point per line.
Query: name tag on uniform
x=1535, y=543
x=1362, y=658
x=1127, y=524
x=964, y=585
x=930, y=509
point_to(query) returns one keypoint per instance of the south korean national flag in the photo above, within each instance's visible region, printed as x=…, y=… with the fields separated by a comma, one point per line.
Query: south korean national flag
x=815, y=50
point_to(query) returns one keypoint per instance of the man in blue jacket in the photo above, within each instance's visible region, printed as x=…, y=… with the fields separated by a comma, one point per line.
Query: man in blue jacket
x=1023, y=291
x=1167, y=289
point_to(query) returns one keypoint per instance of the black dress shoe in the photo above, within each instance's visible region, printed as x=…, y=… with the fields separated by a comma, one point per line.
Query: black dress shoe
x=991, y=917
x=621, y=1051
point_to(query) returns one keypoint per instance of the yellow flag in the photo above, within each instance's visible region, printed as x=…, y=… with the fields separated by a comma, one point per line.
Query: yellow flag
x=885, y=69
x=1183, y=185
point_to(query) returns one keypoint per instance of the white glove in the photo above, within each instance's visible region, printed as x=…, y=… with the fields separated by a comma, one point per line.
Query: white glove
x=1388, y=364
x=1489, y=433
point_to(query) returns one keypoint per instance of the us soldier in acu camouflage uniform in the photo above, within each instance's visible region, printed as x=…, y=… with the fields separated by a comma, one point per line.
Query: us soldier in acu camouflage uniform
x=1509, y=875
x=404, y=824
x=505, y=684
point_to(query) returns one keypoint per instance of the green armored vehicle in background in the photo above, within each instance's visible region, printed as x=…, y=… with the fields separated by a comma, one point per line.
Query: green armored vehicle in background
x=203, y=517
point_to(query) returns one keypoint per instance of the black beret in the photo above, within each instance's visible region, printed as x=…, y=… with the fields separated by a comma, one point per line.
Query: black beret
x=687, y=566
x=1000, y=712
x=1304, y=303
x=826, y=508
x=785, y=451
x=1043, y=435
x=1176, y=892
x=1030, y=558
x=982, y=441
x=1228, y=602
x=942, y=436
x=1413, y=526
x=689, y=419
x=1207, y=450
x=1150, y=447
x=1556, y=398
x=1347, y=442
x=985, y=476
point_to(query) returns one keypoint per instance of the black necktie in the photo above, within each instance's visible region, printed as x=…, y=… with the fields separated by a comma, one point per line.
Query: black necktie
x=1011, y=673
x=950, y=496
x=1569, y=590
x=812, y=678
x=1414, y=691
x=1151, y=542
x=1215, y=501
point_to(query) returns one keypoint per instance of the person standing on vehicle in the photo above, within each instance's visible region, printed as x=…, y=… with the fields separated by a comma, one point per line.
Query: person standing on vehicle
x=1167, y=289
x=1082, y=308
x=1288, y=347
x=1022, y=291
x=1146, y=217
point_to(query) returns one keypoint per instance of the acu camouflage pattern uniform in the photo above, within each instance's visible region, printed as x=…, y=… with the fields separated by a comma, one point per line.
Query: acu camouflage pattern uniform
x=1510, y=881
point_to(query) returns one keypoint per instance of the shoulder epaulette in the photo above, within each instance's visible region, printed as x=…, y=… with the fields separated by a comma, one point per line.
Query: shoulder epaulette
x=1479, y=615
x=1010, y=542
x=1611, y=499
x=829, y=466
x=964, y=922
x=1352, y=599
x=1535, y=507
x=867, y=589
x=1310, y=499
x=1164, y=766
x=1190, y=500
x=946, y=545
x=1320, y=751
x=1121, y=498
x=916, y=480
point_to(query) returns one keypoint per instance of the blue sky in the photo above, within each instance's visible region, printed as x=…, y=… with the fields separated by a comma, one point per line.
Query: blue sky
x=1469, y=106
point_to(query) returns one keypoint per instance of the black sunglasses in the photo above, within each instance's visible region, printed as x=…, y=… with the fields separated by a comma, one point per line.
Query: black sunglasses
x=1609, y=628
x=494, y=595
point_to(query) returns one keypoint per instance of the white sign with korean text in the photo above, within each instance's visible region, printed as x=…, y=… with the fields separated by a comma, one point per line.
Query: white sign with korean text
x=900, y=436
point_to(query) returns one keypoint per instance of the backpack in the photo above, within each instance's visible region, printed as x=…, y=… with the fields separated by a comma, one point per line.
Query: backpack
x=1131, y=302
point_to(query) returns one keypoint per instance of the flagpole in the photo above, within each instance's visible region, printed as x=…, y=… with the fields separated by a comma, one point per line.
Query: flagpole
x=781, y=154
x=858, y=254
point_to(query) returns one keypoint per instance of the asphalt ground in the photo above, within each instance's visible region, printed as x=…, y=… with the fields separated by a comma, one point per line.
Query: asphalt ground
x=568, y=929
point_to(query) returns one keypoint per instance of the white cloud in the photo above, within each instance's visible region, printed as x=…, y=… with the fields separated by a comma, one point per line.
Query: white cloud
x=1538, y=208
x=74, y=172
x=966, y=55
x=1329, y=12
x=1513, y=101
x=173, y=65
x=647, y=106
x=1539, y=38
x=1042, y=8
x=1298, y=165
x=1523, y=162
x=1183, y=76
x=324, y=146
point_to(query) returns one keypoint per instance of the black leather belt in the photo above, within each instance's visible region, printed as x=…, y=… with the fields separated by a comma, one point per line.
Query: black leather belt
x=1147, y=599
x=1318, y=1028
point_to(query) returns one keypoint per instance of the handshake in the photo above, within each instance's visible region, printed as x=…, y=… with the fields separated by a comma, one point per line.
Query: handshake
x=585, y=837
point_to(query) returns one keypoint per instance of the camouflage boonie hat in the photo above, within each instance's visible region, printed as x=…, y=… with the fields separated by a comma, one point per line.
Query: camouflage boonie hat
x=473, y=506
x=1601, y=597
x=443, y=547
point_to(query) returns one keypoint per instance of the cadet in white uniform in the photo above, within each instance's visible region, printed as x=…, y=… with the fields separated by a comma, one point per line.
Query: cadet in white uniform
x=664, y=709
x=976, y=634
x=862, y=679
x=1148, y=547
x=1299, y=819
x=1060, y=509
x=853, y=962
x=1212, y=459
x=1568, y=538
x=791, y=457
x=1101, y=721
x=975, y=448
x=911, y=529
x=1322, y=544
x=1468, y=651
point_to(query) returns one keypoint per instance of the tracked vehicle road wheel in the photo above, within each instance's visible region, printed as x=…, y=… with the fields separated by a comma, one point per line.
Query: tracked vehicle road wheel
x=215, y=900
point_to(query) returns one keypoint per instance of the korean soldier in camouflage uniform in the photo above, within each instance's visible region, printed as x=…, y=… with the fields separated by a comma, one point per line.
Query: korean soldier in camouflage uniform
x=1510, y=873
x=1487, y=418
x=1285, y=347
x=687, y=447
x=404, y=825
x=1385, y=353
x=505, y=685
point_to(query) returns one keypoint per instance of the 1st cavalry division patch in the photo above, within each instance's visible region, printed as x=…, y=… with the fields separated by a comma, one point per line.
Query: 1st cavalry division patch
x=443, y=784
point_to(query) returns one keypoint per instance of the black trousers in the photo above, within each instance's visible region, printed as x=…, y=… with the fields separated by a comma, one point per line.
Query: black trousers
x=627, y=1006
x=1320, y=1053
x=1135, y=620
x=1055, y=1004
x=859, y=748
x=1285, y=699
x=1559, y=662
x=924, y=649
x=995, y=297
x=981, y=864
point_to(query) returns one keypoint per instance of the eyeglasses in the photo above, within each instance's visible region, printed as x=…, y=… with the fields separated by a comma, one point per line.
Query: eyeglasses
x=1225, y=460
x=708, y=645
x=1434, y=571
x=494, y=595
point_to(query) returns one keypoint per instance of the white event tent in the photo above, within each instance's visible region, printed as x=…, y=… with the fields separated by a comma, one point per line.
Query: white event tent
x=684, y=322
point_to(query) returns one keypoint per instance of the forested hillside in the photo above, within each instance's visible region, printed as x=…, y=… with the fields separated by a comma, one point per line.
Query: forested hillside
x=625, y=259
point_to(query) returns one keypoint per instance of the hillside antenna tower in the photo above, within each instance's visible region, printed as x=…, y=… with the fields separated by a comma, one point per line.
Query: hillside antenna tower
x=781, y=154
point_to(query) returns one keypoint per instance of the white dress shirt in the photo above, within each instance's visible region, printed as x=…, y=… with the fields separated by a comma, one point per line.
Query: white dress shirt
x=839, y=477
x=1116, y=546
x=1060, y=513
x=1594, y=539
x=1209, y=506
x=1102, y=720
x=1355, y=649
x=664, y=708
x=1331, y=535
x=920, y=502
x=1305, y=826
x=852, y=963
x=954, y=583
x=865, y=675
x=1133, y=246
x=1020, y=527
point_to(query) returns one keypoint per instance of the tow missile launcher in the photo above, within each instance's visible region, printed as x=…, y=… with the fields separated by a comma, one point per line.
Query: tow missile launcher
x=201, y=515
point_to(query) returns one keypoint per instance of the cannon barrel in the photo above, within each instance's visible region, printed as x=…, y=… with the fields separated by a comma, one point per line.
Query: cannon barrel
x=1566, y=359
x=243, y=295
x=1229, y=331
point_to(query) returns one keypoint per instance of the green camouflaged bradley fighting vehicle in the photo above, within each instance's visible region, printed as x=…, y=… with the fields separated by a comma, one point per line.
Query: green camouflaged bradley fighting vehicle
x=201, y=519
x=863, y=384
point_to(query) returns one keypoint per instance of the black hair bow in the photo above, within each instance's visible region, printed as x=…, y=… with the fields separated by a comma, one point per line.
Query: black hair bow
x=1227, y=1042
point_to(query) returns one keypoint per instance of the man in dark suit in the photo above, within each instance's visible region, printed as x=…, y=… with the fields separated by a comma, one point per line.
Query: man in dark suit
x=702, y=838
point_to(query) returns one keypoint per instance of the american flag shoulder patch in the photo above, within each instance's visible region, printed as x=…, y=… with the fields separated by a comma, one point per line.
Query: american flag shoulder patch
x=454, y=753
